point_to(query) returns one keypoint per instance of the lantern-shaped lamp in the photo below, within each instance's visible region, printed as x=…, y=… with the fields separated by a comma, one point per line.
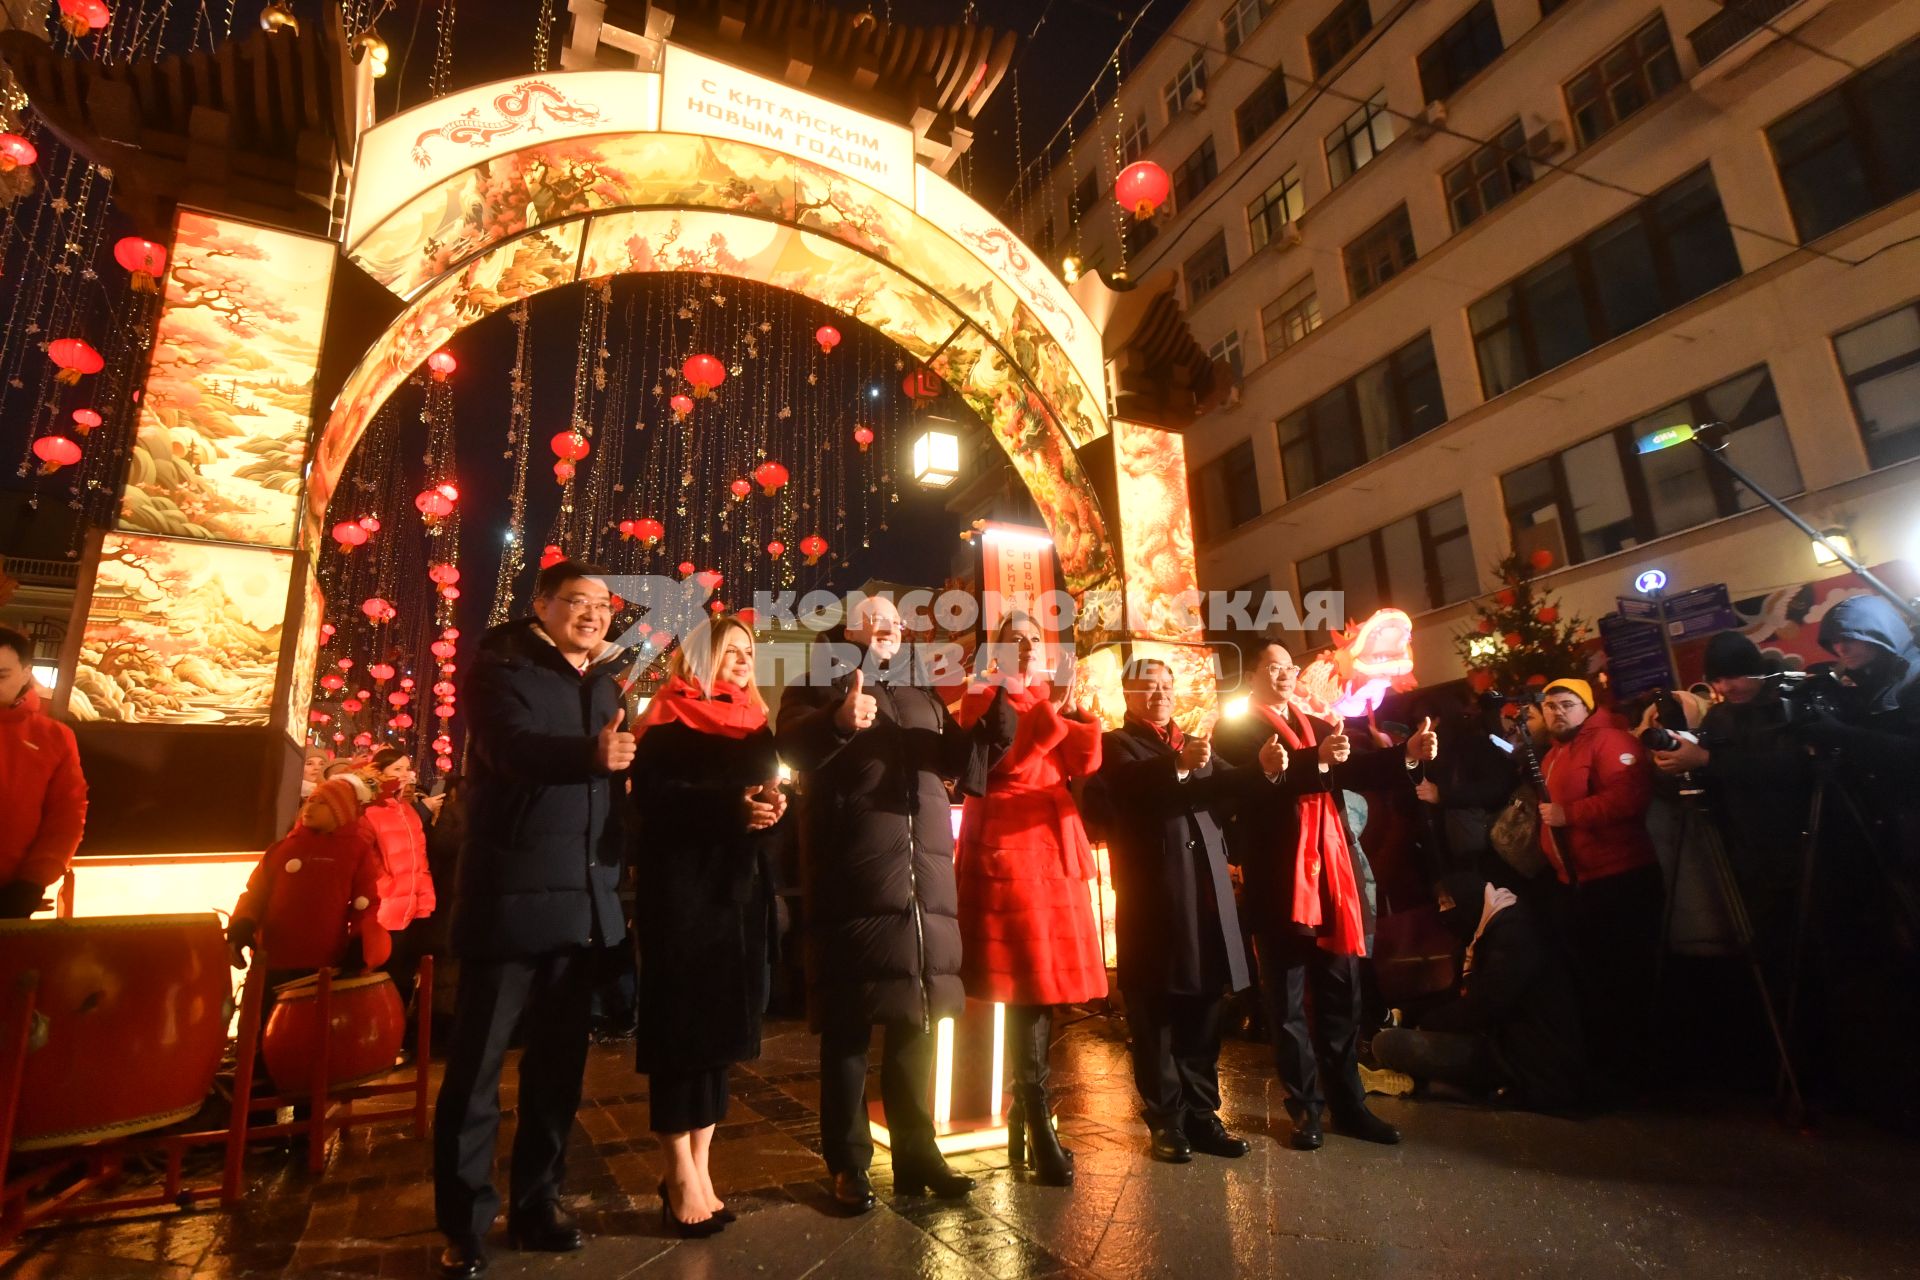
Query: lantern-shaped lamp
x=776, y=549
x=16, y=152
x=441, y=364
x=76, y=359
x=1142, y=187
x=682, y=406
x=381, y=671
x=770, y=476
x=85, y=420
x=740, y=489
x=936, y=455
x=813, y=546
x=82, y=18
x=828, y=337
x=649, y=531
x=703, y=373
x=349, y=535
x=863, y=436
x=377, y=610
x=144, y=259
x=551, y=555
x=54, y=453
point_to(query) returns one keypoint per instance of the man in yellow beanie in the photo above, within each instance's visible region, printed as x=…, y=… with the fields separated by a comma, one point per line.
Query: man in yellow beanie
x=1593, y=830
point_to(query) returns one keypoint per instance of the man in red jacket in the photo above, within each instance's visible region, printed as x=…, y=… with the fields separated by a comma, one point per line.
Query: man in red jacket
x=43, y=795
x=1593, y=830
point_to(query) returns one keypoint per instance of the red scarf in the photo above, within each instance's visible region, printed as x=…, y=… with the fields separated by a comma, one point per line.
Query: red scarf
x=1322, y=846
x=1022, y=695
x=728, y=712
x=1170, y=735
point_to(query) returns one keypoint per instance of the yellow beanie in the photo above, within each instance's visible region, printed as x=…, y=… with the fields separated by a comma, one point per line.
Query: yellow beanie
x=1578, y=688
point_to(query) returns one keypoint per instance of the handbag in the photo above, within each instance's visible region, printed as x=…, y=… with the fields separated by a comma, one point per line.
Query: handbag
x=1515, y=833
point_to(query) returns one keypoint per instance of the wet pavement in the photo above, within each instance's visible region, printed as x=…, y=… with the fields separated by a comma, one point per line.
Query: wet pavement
x=1675, y=1191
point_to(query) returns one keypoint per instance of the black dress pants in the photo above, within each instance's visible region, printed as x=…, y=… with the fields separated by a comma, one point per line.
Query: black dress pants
x=553, y=993
x=906, y=1081
x=1176, y=1055
x=1289, y=962
x=1612, y=929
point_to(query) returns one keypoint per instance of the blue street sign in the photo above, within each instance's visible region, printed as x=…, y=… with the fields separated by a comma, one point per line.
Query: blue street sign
x=1636, y=657
x=1650, y=581
x=1637, y=609
x=1697, y=612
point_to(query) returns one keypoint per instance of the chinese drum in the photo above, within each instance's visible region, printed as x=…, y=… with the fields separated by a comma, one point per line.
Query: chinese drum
x=368, y=1024
x=132, y=1015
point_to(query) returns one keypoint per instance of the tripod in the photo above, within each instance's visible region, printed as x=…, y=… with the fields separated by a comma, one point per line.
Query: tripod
x=1695, y=820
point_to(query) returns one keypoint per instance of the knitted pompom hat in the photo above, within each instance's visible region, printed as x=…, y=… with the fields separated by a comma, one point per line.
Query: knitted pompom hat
x=335, y=803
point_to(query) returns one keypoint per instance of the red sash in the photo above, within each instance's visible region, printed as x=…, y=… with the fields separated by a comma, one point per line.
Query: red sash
x=728, y=712
x=1322, y=844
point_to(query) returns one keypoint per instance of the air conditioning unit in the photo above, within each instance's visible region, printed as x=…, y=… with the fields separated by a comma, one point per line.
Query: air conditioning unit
x=1432, y=118
x=1285, y=236
x=1548, y=141
x=1196, y=102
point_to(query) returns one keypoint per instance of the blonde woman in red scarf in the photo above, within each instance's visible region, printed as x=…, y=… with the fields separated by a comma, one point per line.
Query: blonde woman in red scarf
x=1303, y=889
x=707, y=797
x=1028, y=936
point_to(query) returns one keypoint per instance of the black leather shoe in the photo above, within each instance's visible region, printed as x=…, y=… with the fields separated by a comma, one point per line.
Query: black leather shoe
x=548, y=1229
x=686, y=1230
x=853, y=1191
x=1366, y=1126
x=1307, y=1134
x=462, y=1261
x=1170, y=1146
x=930, y=1177
x=1209, y=1137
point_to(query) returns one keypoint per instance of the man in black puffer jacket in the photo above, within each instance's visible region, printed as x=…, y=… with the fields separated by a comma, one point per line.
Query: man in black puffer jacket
x=534, y=909
x=873, y=749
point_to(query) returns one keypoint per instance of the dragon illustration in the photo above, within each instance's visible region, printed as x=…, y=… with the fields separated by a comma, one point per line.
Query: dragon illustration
x=998, y=243
x=1366, y=662
x=517, y=111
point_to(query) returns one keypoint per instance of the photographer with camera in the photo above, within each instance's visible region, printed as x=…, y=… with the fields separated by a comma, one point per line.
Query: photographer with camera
x=1877, y=726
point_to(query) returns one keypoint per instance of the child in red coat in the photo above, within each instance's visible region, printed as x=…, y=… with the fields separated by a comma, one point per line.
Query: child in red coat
x=315, y=892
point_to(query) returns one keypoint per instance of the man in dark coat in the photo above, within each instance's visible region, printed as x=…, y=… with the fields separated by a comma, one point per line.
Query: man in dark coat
x=1514, y=1025
x=1300, y=857
x=534, y=909
x=873, y=751
x=1160, y=799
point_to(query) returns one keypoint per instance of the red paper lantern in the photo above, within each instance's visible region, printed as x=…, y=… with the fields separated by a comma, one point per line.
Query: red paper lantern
x=377, y=609
x=370, y=523
x=570, y=445
x=1514, y=639
x=76, y=359
x=407, y=683
x=1142, y=187
x=144, y=259
x=319, y=717
x=813, y=546
x=331, y=682
x=1484, y=626
x=921, y=387
x=441, y=648
x=649, y=531
x=362, y=739
x=686, y=568
x=381, y=671
x=450, y=593
x=339, y=737
x=444, y=574
x=708, y=578
x=770, y=475
x=85, y=420
x=551, y=555
x=345, y=664
x=399, y=698
x=703, y=373
x=564, y=471
x=443, y=763
x=828, y=337
x=442, y=745
x=776, y=548
x=443, y=690
x=1505, y=599
x=349, y=536
x=326, y=632
x=16, y=152
x=54, y=453
x=1541, y=559
x=402, y=721
x=352, y=706
x=740, y=489
x=446, y=668
x=681, y=406
x=1549, y=615
x=365, y=695
x=449, y=633
x=82, y=18
x=863, y=436
x=441, y=363
x=444, y=711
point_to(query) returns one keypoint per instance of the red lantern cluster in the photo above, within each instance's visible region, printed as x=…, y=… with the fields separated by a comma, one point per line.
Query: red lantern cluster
x=444, y=576
x=378, y=610
x=813, y=546
x=441, y=364
x=54, y=453
x=704, y=374
x=144, y=259
x=1142, y=187
x=76, y=359
x=828, y=337
x=436, y=504
x=770, y=475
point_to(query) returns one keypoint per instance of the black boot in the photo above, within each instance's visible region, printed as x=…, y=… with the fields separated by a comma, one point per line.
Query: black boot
x=1052, y=1164
x=1031, y=1140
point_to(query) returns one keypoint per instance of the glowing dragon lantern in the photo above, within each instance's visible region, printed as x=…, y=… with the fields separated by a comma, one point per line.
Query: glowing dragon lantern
x=1367, y=662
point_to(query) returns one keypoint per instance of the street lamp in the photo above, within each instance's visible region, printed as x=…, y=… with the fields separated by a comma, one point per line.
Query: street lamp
x=936, y=457
x=1711, y=439
x=1830, y=546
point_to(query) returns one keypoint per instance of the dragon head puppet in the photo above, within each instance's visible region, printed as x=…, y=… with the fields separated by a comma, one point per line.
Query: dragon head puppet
x=1366, y=662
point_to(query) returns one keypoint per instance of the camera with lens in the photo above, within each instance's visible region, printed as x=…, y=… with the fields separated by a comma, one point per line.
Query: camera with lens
x=1658, y=738
x=1803, y=697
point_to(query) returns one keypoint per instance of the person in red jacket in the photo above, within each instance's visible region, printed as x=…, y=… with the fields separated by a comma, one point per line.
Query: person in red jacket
x=406, y=884
x=43, y=794
x=315, y=892
x=1027, y=933
x=1612, y=900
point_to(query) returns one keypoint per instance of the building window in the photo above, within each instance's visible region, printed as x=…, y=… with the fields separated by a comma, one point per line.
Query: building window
x=1134, y=144
x=1194, y=173
x=1229, y=492
x=1462, y=52
x=1360, y=137
x=1626, y=78
x=1137, y=233
x=1344, y=28
x=1261, y=108
x=1603, y=496
x=1191, y=80
x=1241, y=17
x=1666, y=251
x=1854, y=149
x=1489, y=177
x=1279, y=204
x=1206, y=269
x=1228, y=349
x=1381, y=252
x=1086, y=195
x=1881, y=361
x=1290, y=317
x=1376, y=411
x=1421, y=562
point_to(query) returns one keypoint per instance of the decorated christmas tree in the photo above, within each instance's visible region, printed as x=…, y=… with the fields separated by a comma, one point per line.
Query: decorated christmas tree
x=1519, y=635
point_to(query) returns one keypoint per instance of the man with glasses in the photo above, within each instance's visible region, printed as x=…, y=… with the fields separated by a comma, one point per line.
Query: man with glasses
x=1612, y=898
x=534, y=910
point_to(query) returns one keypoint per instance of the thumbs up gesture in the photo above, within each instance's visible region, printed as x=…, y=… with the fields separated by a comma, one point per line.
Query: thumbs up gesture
x=1424, y=745
x=1196, y=752
x=1273, y=757
x=1335, y=747
x=857, y=709
x=614, y=747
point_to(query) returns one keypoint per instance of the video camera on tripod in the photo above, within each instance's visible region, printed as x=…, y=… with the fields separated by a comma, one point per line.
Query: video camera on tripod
x=1804, y=697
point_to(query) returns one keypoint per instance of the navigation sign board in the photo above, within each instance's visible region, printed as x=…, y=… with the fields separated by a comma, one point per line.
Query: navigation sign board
x=1637, y=609
x=1697, y=612
x=1636, y=657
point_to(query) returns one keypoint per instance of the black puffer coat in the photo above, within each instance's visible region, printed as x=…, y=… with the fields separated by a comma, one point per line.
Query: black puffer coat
x=703, y=902
x=544, y=837
x=876, y=843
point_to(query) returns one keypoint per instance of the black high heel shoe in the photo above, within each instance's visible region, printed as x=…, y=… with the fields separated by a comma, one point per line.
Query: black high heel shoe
x=1038, y=1143
x=686, y=1230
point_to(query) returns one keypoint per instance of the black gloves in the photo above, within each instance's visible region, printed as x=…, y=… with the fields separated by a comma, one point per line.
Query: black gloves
x=20, y=899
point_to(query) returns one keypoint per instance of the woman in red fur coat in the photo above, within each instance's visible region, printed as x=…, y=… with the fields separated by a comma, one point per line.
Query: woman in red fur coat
x=1028, y=934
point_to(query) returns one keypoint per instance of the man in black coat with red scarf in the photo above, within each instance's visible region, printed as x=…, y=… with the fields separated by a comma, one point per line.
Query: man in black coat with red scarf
x=1161, y=800
x=1299, y=856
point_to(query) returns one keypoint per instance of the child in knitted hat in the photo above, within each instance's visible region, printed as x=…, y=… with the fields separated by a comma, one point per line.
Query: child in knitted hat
x=314, y=893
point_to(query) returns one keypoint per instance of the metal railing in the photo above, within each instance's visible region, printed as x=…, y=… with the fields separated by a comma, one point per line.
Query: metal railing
x=1736, y=20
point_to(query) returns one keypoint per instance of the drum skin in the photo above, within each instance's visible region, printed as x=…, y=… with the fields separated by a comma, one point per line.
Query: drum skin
x=133, y=1014
x=368, y=1026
